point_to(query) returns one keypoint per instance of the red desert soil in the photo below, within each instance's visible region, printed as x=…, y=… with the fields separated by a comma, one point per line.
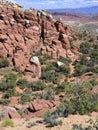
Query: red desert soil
x=20, y=124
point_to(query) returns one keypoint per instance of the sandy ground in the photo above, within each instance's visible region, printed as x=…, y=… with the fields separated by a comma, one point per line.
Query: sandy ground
x=20, y=124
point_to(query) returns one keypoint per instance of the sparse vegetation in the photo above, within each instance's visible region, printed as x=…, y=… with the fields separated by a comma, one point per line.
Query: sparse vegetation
x=50, y=119
x=7, y=123
x=22, y=83
x=24, y=99
x=93, y=125
x=66, y=85
x=4, y=63
x=5, y=102
x=37, y=85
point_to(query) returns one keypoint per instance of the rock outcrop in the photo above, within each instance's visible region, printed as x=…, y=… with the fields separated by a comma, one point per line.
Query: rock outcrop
x=35, y=108
x=36, y=69
x=24, y=32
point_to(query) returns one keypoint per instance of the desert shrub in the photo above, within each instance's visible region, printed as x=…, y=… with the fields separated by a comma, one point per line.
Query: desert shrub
x=4, y=63
x=28, y=91
x=72, y=108
x=81, y=100
x=83, y=60
x=95, y=46
x=85, y=48
x=25, y=98
x=22, y=83
x=91, y=40
x=79, y=70
x=50, y=76
x=66, y=61
x=92, y=125
x=94, y=56
x=8, y=82
x=37, y=85
x=7, y=123
x=50, y=119
x=64, y=69
x=62, y=110
x=31, y=124
x=9, y=93
x=49, y=67
x=62, y=87
x=7, y=85
x=92, y=69
x=44, y=59
x=78, y=127
x=49, y=92
x=93, y=82
x=4, y=102
x=90, y=63
x=49, y=73
x=82, y=105
x=22, y=114
x=11, y=77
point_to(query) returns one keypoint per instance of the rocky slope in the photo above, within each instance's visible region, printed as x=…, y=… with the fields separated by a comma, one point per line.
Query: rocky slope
x=24, y=32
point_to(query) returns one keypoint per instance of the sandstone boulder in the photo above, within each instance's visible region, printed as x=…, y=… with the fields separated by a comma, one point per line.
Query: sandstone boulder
x=34, y=67
x=12, y=113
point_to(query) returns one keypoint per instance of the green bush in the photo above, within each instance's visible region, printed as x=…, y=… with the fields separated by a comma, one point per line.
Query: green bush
x=9, y=93
x=92, y=125
x=4, y=63
x=93, y=69
x=80, y=99
x=50, y=119
x=22, y=83
x=44, y=59
x=7, y=85
x=61, y=108
x=85, y=48
x=8, y=82
x=49, y=93
x=22, y=113
x=79, y=70
x=94, y=56
x=66, y=61
x=64, y=69
x=11, y=77
x=37, y=85
x=50, y=76
x=4, y=102
x=93, y=82
x=7, y=123
x=62, y=87
x=24, y=99
x=82, y=105
x=83, y=60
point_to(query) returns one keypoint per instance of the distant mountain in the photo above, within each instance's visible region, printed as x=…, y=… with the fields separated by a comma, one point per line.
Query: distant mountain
x=85, y=11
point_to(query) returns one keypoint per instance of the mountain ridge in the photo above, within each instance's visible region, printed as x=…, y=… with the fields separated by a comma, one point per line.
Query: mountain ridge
x=93, y=10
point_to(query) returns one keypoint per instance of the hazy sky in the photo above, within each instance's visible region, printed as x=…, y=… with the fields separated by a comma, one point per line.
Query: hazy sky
x=52, y=4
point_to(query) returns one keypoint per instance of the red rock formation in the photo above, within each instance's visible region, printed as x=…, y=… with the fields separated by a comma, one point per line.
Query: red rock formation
x=10, y=112
x=24, y=32
x=39, y=106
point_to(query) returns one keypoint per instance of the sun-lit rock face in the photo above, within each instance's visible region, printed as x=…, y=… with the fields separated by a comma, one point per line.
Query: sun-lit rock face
x=24, y=32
